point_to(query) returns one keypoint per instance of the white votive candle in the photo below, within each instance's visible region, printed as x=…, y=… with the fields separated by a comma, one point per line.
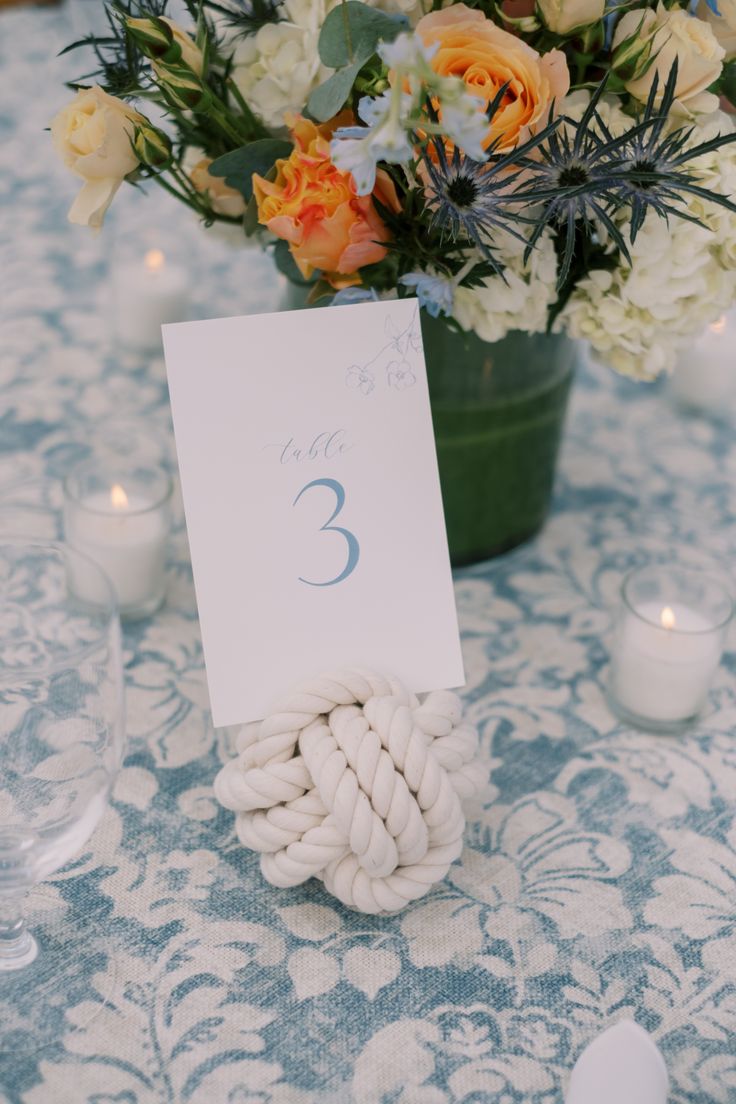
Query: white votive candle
x=704, y=378
x=123, y=526
x=147, y=294
x=668, y=645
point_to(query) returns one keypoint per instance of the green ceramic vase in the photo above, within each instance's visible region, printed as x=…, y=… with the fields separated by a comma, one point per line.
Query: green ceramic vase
x=498, y=411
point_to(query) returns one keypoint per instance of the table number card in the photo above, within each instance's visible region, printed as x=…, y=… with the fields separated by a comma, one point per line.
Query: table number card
x=312, y=500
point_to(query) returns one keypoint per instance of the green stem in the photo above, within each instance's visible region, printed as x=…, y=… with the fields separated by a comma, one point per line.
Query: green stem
x=196, y=200
x=159, y=178
x=225, y=126
x=185, y=184
x=257, y=130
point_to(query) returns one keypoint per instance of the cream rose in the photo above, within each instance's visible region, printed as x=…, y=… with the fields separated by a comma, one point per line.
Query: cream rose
x=223, y=199
x=675, y=34
x=563, y=16
x=93, y=135
x=723, y=25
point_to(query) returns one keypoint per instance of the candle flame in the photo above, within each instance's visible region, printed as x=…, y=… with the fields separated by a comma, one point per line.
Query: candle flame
x=118, y=497
x=154, y=260
x=719, y=326
x=667, y=617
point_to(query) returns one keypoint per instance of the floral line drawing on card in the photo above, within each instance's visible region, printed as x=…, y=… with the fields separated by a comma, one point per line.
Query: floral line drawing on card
x=401, y=345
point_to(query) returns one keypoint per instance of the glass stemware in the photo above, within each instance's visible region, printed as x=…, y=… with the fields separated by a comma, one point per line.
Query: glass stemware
x=61, y=733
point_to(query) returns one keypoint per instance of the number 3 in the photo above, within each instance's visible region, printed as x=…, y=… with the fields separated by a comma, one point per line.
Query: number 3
x=328, y=527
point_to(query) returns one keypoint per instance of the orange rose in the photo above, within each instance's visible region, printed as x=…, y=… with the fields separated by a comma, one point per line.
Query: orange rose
x=486, y=57
x=314, y=207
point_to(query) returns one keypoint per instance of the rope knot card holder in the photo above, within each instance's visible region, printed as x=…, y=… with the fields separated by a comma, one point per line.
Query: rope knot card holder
x=354, y=780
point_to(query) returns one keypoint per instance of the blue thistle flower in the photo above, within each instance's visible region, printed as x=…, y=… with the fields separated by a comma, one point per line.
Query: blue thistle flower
x=585, y=175
x=472, y=200
x=652, y=173
x=572, y=178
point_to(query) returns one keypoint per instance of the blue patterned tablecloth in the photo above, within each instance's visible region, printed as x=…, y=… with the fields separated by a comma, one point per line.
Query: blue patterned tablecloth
x=599, y=877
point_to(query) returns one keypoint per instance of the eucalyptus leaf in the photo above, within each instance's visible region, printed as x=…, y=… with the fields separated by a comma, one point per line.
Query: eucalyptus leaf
x=367, y=27
x=286, y=264
x=327, y=100
x=238, y=166
x=250, y=220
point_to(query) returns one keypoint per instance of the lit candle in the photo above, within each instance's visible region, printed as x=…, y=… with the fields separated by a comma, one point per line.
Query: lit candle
x=704, y=378
x=122, y=523
x=668, y=645
x=147, y=295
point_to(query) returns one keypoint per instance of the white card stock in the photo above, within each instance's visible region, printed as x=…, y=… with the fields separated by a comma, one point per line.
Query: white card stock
x=312, y=500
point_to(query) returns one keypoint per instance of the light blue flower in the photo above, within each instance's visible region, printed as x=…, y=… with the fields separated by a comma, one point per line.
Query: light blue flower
x=356, y=156
x=390, y=143
x=407, y=51
x=358, y=150
x=435, y=293
x=466, y=124
x=373, y=109
x=346, y=296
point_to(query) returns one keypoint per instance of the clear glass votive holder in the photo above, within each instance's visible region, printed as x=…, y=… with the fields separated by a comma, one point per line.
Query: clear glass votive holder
x=668, y=642
x=120, y=518
x=149, y=287
x=704, y=381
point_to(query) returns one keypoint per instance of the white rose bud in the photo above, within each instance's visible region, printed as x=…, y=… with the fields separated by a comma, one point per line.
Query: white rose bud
x=191, y=55
x=674, y=34
x=563, y=16
x=723, y=25
x=94, y=137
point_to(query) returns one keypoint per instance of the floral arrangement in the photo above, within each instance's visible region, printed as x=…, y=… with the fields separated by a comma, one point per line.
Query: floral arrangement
x=564, y=165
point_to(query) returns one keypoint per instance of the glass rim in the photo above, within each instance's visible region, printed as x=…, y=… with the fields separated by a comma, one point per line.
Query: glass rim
x=108, y=613
x=158, y=501
x=691, y=572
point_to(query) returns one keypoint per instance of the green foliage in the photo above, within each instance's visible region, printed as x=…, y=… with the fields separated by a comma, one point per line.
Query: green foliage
x=588, y=256
x=250, y=219
x=348, y=40
x=329, y=98
x=121, y=67
x=238, y=166
x=416, y=243
x=727, y=83
x=286, y=264
x=352, y=31
x=245, y=17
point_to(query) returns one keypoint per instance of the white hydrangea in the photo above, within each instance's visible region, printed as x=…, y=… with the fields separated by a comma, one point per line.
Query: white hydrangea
x=278, y=68
x=521, y=301
x=682, y=276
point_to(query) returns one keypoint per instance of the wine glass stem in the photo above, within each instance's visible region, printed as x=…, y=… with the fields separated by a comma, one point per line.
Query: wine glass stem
x=17, y=945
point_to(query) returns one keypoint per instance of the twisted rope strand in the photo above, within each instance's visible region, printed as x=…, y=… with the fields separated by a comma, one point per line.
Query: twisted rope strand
x=353, y=780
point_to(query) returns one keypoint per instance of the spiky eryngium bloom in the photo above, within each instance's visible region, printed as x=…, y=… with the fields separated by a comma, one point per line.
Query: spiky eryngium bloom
x=652, y=174
x=245, y=17
x=471, y=200
x=121, y=67
x=571, y=177
x=587, y=176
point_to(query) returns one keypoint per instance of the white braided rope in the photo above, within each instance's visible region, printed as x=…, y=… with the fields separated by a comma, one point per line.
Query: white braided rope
x=353, y=780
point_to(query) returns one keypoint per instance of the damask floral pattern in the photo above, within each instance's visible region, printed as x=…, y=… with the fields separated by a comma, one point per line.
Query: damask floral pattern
x=599, y=875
